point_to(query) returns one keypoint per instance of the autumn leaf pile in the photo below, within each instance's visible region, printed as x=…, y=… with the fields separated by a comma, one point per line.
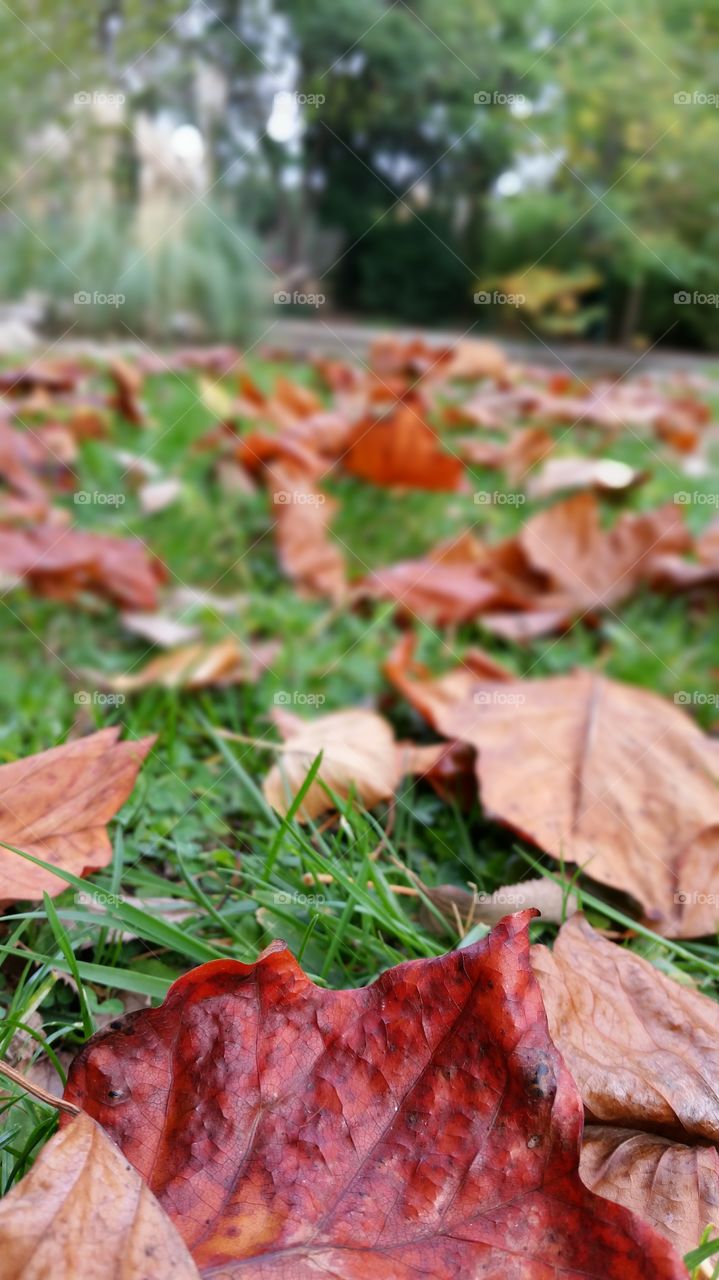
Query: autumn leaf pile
x=510, y=1109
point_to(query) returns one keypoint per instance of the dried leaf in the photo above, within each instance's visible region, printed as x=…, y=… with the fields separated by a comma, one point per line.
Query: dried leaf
x=401, y=448
x=592, y=566
x=543, y=895
x=56, y=806
x=128, y=379
x=605, y=775
x=643, y=1050
x=306, y=551
x=452, y=584
x=62, y=562
x=673, y=1186
x=82, y=1210
x=159, y=495
x=196, y=666
x=644, y=1053
x=583, y=473
x=160, y=628
x=359, y=754
x=473, y=359
x=423, y=1124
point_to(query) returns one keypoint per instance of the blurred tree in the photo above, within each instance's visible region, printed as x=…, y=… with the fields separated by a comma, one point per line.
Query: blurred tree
x=421, y=191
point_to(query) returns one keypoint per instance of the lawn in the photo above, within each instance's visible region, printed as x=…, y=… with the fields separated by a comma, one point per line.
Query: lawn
x=203, y=868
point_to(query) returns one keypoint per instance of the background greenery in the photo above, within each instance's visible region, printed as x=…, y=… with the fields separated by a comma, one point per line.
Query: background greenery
x=398, y=191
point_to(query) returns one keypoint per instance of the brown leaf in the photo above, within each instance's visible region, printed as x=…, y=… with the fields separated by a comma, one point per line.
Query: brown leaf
x=82, y=1210
x=644, y=1052
x=128, y=380
x=446, y=766
x=543, y=895
x=454, y=583
x=516, y=456
x=359, y=754
x=594, y=567
x=196, y=666
x=422, y=1125
x=673, y=1186
x=583, y=473
x=61, y=562
x=430, y=695
x=56, y=806
x=473, y=358
x=307, y=553
x=680, y=574
x=608, y=776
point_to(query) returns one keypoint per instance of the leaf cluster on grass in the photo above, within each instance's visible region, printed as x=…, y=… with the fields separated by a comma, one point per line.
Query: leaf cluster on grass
x=378, y=673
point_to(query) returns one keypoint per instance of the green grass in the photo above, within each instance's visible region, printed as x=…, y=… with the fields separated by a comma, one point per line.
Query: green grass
x=197, y=833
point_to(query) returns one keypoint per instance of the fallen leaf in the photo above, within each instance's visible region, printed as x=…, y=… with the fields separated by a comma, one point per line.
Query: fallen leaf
x=62, y=562
x=453, y=583
x=196, y=666
x=473, y=358
x=401, y=448
x=673, y=1186
x=160, y=628
x=29, y=464
x=423, y=1124
x=429, y=694
x=447, y=766
x=641, y=1047
x=459, y=905
x=605, y=474
x=128, y=379
x=515, y=456
x=306, y=551
x=410, y=360
x=643, y=1052
x=595, y=567
x=605, y=775
x=56, y=806
x=359, y=754
x=158, y=495
x=47, y=375
x=82, y=1210
x=680, y=574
